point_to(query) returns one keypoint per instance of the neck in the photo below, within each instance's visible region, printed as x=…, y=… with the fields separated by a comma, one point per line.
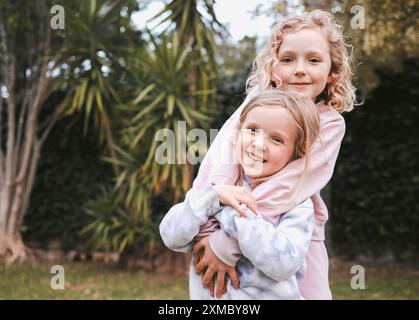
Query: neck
x=253, y=182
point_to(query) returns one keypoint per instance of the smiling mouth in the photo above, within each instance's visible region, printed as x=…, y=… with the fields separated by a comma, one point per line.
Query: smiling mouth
x=255, y=158
x=300, y=85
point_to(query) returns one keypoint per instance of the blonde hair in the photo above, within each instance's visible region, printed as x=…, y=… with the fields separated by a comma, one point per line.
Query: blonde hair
x=340, y=93
x=304, y=118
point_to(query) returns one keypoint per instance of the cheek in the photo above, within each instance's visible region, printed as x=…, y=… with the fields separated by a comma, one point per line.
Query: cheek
x=283, y=156
x=281, y=72
x=281, y=162
x=244, y=141
x=323, y=74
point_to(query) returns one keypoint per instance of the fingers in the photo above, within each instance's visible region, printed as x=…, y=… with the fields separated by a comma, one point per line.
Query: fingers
x=207, y=277
x=220, y=284
x=239, y=209
x=198, y=256
x=253, y=206
x=234, y=278
x=211, y=287
x=201, y=265
x=249, y=200
x=225, y=288
x=199, y=245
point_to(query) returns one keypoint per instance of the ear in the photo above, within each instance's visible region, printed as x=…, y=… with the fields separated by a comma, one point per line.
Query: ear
x=329, y=78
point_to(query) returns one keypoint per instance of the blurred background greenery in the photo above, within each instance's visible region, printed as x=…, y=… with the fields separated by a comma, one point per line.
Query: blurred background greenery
x=108, y=86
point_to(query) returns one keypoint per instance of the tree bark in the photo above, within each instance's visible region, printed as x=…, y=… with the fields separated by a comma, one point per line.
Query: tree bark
x=19, y=161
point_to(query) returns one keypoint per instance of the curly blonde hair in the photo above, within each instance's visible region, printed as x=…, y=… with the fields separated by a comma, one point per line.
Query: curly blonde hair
x=340, y=93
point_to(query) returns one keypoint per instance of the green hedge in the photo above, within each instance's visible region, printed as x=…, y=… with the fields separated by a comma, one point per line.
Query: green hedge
x=69, y=173
x=375, y=186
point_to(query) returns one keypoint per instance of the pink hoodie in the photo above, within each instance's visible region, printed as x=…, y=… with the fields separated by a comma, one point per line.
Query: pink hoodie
x=273, y=195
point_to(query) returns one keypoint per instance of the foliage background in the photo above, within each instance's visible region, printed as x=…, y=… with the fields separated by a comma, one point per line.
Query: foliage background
x=376, y=181
x=374, y=209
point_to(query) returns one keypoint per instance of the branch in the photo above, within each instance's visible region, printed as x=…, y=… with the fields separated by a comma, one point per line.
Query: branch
x=28, y=184
x=52, y=120
x=8, y=67
x=24, y=108
x=32, y=116
x=1, y=144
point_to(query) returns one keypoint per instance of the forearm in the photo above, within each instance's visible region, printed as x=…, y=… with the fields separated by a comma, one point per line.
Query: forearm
x=225, y=247
x=183, y=221
x=211, y=226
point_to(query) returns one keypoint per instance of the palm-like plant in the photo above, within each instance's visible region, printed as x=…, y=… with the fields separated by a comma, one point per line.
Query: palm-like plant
x=197, y=30
x=114, y=227
x=173, y=80
x=93, y=43
x=193, y=27
x=159, y=104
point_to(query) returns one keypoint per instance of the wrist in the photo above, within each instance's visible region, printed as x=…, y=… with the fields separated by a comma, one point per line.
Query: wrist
x=216, y=189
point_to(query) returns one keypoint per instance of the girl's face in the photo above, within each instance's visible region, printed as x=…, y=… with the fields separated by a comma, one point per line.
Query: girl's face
x=266, y=141
x=304, y=62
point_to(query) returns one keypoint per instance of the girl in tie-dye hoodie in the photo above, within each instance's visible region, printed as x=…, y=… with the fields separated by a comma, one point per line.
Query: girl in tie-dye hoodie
x=273, y=246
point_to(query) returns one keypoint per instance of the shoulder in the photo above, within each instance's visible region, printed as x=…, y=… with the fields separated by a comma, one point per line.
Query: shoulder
x=331, y=120
x=327, y=114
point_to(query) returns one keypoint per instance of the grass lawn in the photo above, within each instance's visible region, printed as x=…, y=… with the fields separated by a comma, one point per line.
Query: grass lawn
x=92, y=281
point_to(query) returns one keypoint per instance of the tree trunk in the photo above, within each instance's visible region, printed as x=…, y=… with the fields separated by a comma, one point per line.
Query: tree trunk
x=19, y=161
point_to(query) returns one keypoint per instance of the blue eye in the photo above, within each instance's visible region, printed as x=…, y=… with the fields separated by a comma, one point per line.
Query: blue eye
x=287, y=60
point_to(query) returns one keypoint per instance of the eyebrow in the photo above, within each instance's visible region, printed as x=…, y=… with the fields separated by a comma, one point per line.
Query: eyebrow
x=293, y=52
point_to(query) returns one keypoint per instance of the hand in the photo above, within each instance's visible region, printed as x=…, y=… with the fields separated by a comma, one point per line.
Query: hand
x=233, y=196
x=210, y=264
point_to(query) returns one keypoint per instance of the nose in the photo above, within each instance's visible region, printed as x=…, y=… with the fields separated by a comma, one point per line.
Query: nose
x=300, y=69
x=259, y=145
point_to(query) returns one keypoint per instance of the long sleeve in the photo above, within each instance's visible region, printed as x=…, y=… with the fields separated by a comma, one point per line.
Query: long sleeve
x=277, y=251
x=183, y=221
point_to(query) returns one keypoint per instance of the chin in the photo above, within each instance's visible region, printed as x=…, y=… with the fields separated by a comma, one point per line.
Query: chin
x=252, y=173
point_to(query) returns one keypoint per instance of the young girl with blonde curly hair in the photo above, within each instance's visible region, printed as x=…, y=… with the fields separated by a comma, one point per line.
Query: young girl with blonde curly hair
x=305, y=55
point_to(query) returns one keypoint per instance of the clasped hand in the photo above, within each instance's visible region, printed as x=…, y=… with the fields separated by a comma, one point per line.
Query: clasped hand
x=208, y=264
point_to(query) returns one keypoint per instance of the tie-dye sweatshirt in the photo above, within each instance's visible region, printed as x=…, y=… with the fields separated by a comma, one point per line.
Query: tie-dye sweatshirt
x=273, y=252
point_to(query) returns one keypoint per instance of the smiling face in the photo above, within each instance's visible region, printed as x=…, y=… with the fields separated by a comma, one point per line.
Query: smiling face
x=304, y=62
x=266, y=141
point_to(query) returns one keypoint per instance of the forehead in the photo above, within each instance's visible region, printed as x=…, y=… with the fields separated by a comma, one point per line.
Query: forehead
x=272, y=119
x=305, y=39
